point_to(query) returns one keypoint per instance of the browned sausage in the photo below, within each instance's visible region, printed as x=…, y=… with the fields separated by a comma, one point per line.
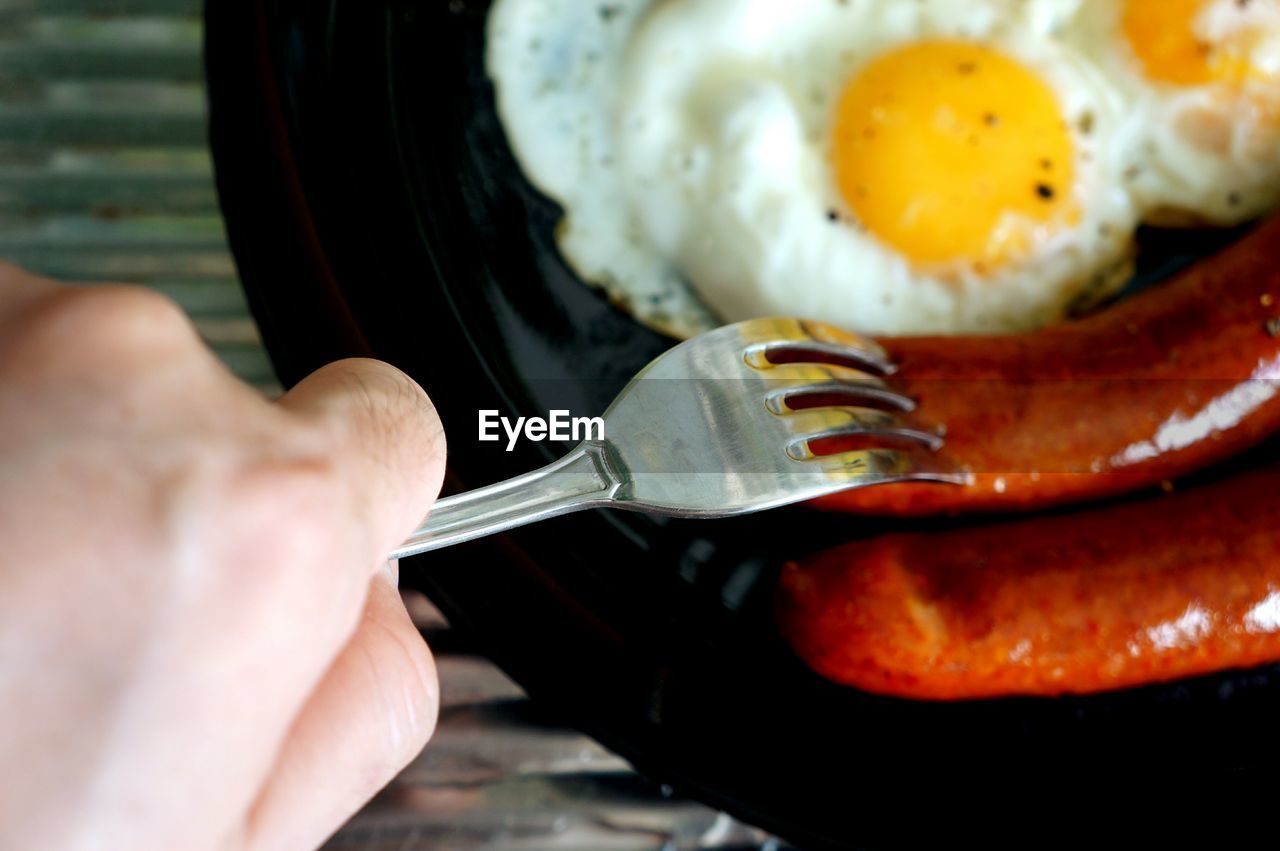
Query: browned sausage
x=1168, y=381
x=1151, y=590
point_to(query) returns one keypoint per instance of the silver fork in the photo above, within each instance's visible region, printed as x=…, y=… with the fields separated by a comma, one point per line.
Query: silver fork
x=711, y=429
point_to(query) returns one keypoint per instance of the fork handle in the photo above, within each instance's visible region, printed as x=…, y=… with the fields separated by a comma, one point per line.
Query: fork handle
x=581, y=479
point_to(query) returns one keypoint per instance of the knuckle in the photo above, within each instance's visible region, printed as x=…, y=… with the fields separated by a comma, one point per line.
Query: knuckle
x=105, y=321
x=262, y=528
x=138, y=312
x=263, y=523
x=294, y=505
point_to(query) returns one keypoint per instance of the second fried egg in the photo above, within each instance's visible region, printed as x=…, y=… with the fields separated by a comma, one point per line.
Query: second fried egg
x=1201, y=85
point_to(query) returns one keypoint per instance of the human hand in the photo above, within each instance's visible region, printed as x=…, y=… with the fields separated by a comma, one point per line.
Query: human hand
x=199, y=648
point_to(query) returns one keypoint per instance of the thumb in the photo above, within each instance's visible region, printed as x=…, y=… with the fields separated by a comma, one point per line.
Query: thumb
x=391, y=446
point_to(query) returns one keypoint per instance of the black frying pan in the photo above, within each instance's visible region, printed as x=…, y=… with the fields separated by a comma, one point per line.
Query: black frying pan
x=374, y=209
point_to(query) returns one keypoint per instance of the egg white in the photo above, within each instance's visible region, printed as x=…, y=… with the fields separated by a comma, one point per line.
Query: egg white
x=556, y=67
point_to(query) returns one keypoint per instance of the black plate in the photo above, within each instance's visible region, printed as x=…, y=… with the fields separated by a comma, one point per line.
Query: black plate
x=375, y=209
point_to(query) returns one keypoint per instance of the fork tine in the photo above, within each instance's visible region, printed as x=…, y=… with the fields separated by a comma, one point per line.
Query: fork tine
x=814, y=420
x=792, y=331
x=869, y=466
x=800, y=449
x=831, y=334
x=803, y=373
x=778, y=400
x=790, y=328
x=770, y=354
x=823, y=423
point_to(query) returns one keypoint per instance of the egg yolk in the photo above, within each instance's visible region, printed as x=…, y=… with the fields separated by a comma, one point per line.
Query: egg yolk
x=1170, y=39
x=949, y=152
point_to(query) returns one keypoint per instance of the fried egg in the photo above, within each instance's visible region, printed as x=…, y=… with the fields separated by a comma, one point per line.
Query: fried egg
x=895, y=167
x=892, y=167
x=1201, y=81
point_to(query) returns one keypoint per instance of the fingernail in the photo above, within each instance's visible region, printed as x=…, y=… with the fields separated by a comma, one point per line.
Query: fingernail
x=390, y=570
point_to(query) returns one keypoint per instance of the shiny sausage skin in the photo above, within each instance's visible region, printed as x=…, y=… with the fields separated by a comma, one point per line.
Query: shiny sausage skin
x=1147, y=390
x=1145, y=591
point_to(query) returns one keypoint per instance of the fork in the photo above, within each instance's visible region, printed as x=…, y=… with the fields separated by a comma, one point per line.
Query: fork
x=715, y=427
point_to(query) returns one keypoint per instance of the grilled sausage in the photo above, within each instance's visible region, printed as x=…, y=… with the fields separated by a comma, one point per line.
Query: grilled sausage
x=1168, y=381
x=1150, y=590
